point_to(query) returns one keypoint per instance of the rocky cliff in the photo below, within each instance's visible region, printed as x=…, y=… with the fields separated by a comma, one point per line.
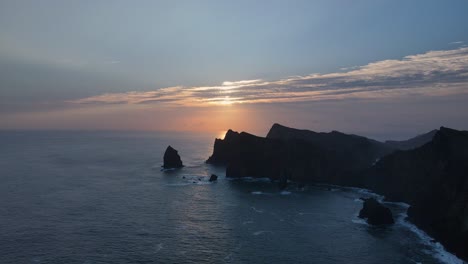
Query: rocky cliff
x=433, y=179
x=298, y=155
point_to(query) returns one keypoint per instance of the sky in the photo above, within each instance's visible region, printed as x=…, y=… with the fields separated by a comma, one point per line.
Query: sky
x=382, y=69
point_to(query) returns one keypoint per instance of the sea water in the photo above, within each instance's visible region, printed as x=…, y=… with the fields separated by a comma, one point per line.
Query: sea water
x=101, y=197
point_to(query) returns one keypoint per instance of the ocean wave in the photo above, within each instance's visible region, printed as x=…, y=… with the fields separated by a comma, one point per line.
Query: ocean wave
x=251, y=179
x=360, y=221
x=168, y=169
x=437, y=250
x=257, y=233
x=256, y=210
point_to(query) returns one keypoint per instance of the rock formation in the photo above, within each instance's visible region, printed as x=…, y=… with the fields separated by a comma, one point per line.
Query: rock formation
x=172, y=159
x=213, y=177
x=305, y=155
x=375, y=213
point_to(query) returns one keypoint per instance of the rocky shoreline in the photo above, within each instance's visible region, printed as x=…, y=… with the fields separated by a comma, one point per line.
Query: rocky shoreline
x=429, y=172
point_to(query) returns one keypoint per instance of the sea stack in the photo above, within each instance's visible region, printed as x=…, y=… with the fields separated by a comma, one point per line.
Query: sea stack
x=213, y=177
x=172, y=159
x=376, y=213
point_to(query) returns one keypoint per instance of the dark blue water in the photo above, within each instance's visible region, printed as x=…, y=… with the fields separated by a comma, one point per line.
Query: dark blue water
x=100, y=197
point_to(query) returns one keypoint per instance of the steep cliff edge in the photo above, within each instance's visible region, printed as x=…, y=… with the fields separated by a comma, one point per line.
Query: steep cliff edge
x=298, y=155
x=433, y=179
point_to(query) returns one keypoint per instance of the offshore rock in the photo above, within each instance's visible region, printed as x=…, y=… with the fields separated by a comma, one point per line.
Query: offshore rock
x=376, y=213
x=213, y=177
x=172, y=159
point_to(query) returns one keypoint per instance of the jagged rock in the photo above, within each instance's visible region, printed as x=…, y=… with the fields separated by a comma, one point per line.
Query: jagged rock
x=376, y=213
x=172, y=159
x=213, y=177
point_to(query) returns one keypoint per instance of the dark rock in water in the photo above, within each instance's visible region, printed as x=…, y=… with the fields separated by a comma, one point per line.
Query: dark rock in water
x=213, y=177
x=376, y=213
x=172, y=158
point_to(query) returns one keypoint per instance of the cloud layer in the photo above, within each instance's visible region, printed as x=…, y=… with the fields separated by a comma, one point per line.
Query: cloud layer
x=434, y=73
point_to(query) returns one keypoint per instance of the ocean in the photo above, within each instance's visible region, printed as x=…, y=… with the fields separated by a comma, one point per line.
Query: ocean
x=101, y=197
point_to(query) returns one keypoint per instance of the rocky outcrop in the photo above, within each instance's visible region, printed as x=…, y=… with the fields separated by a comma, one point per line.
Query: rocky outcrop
x=412, y=143
x=172, y=159
x=213, y=178
x=375, y=213
x=433, y=179
x=297, y=155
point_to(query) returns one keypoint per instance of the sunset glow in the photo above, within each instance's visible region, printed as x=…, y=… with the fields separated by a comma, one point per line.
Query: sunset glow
x=217, y=75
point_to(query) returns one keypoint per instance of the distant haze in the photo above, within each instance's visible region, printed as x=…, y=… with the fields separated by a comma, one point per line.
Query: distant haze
x=383, y=69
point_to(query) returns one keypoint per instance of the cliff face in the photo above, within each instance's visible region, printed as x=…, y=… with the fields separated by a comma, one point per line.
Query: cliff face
x=433, y=179
x=246, y=155
x=299, y=155
x=352, y=151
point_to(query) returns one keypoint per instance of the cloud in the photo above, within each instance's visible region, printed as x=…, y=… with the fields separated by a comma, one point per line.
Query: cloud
x=434, y=73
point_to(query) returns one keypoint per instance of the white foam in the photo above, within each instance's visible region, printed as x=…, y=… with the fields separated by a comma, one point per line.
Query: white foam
x=403, y=205
x=438, y=250
x=251, y=179
x=247, y=222
x=158, y=247
x=359, y=221
x=256, y=210
x=257, y=192
x=285, y=193
x=261, y=232
x=168, y=169
x=178, y=184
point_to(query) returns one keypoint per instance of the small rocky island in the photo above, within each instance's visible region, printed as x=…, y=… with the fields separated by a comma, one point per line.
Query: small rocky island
x=375, y=213
x=172, y=159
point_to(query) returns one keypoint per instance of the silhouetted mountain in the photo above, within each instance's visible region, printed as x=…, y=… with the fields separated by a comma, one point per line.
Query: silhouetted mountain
x=361, y=151
x=298, y=155
x=413, y=142
x=433, y=179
